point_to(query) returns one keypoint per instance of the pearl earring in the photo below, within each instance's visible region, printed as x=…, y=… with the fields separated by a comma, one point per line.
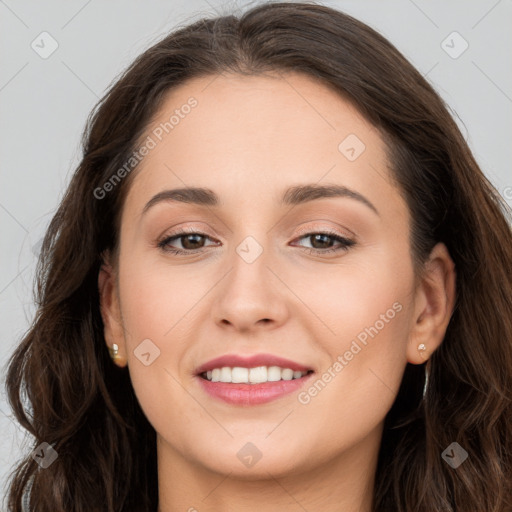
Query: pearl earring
x=114, y=351
x=422, y=349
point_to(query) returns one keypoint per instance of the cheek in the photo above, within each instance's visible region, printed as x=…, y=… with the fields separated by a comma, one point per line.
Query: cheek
x=365, y=311
x=156, y=308
x=158, y=303
x=155, y=317
x=371, y=331
x=357, y=386
x=357, y=300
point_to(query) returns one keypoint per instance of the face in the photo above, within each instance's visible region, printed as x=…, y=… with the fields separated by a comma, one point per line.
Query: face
x=256, y=268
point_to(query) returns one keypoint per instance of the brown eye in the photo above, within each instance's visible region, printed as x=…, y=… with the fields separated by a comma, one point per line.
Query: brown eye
x=322, y=242
x=190, y=242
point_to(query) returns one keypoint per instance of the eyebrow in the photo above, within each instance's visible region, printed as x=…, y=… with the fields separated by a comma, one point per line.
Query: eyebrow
x=292, y=196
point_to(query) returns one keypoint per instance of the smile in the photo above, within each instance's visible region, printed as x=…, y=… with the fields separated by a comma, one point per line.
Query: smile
x=257, y=375
x=251, y=380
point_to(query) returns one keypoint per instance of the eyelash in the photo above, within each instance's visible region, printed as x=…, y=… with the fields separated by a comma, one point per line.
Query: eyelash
x=345, y=242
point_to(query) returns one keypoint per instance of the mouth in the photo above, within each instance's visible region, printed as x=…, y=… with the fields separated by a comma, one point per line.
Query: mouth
x=252, y=376
x=252, y=380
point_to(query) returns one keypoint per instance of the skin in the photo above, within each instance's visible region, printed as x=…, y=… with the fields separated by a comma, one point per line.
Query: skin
x=248, y=139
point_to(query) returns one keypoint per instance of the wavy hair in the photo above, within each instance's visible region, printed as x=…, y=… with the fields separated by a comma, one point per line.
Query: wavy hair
x=64, y=389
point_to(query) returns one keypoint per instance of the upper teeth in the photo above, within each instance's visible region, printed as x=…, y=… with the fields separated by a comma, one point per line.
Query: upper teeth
x=252, y=375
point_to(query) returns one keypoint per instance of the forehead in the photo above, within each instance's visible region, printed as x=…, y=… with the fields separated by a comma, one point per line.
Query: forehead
x=243, y=135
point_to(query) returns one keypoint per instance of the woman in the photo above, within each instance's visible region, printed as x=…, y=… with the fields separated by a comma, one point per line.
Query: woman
x=300, y=273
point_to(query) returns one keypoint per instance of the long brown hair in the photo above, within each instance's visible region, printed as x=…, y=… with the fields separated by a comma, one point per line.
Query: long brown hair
x=82, y=405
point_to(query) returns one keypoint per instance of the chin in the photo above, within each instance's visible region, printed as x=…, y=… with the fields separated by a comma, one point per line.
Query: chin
x=250, y=458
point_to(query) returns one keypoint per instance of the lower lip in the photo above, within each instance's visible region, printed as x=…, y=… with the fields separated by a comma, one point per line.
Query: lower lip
x=252, y=394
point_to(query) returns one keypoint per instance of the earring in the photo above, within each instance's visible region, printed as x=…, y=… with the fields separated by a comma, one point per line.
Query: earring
x=422, y=348
x=114, y=351
x=114, y=354
x=426, y=379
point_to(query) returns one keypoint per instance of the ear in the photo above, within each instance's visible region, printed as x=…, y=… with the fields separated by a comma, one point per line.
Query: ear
x=110, y=310
x=433, y=305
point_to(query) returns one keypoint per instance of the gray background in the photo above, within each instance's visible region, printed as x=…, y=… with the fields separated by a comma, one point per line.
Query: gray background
x=44, y=104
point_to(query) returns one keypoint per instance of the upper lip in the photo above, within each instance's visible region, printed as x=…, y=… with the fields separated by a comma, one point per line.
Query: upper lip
x=232, y=360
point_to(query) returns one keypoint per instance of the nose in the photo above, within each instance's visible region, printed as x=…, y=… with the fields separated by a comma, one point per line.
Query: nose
x=251, y=296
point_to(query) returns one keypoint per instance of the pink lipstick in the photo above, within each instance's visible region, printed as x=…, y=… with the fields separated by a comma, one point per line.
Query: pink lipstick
x=251, y=380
